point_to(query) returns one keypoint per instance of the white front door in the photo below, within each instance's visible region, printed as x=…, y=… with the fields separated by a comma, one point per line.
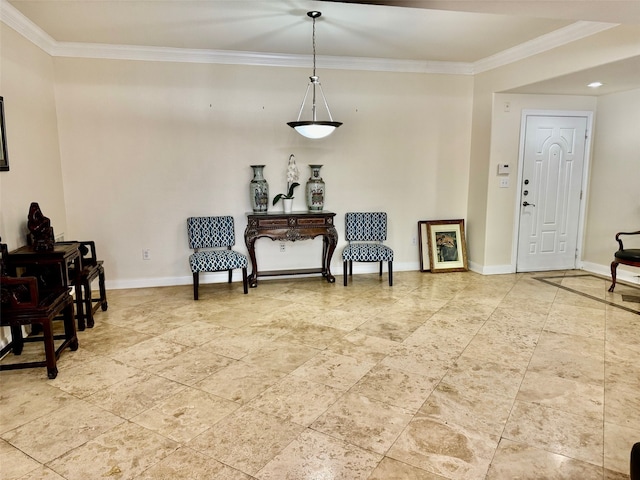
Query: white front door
x=551, y=192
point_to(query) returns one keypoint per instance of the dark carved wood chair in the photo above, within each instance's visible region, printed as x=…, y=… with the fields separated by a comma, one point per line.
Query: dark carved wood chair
x=92, y=269
x=23, y=304
x=625, y=256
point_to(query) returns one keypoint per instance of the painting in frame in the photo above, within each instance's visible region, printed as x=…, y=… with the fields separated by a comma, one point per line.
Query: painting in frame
x=4, y=159
x=446, y=246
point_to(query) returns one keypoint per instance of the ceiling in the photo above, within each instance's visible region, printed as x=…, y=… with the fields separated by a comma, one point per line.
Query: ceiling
x=457, y=32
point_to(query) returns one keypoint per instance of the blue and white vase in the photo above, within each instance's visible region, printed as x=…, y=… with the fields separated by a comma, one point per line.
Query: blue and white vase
x=259, y=190
x=315, y=190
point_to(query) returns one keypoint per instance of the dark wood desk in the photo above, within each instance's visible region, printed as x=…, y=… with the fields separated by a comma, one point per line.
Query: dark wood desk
x=51, y=268
x=291, y=227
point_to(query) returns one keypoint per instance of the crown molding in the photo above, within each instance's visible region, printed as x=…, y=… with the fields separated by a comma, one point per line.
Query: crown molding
x=541, y=44
x=13, y=18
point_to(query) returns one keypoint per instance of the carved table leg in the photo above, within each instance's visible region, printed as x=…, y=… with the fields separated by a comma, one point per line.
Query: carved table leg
x=252, y=279
x=331, y=240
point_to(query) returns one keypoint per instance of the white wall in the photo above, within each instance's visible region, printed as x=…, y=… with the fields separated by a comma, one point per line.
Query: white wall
x=35, y=175
x=614, y=199
x=146, y=144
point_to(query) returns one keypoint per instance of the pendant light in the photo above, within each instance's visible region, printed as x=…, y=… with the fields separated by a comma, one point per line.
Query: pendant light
x=314, y=128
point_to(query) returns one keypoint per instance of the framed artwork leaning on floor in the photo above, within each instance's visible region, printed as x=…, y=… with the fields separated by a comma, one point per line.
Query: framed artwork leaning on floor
x=443, y=243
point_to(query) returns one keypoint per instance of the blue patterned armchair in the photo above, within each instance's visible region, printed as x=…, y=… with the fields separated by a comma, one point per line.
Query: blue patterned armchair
x=365, y=233
x=217, y=235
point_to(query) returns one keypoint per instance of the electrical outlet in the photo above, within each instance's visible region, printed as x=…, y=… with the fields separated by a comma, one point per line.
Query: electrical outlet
x=504, y=182
x=282, y=247
x=414, y=241
x=146, y=254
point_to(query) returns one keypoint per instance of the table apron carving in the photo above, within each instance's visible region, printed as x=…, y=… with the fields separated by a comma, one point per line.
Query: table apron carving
x=291, y=227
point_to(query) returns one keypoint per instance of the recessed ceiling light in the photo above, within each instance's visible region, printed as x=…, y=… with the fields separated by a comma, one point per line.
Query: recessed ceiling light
x=595, y=84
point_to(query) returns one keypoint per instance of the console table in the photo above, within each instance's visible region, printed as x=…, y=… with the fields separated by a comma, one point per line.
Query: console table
x=291, y=227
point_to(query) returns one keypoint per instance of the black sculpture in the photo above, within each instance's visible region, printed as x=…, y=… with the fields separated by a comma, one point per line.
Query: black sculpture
x=40, y=230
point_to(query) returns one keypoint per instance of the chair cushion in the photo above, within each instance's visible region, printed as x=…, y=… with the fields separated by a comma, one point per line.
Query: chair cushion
x=216, y=260
x=628, y=254
x=367, y=252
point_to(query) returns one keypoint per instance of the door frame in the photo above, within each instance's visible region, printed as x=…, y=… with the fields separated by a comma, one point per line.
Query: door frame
x=585, y=177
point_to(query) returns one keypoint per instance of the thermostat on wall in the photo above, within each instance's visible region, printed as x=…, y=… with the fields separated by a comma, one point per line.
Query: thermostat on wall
x=504, y=169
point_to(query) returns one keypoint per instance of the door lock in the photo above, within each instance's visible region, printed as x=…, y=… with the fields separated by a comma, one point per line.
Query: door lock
x=527, y=204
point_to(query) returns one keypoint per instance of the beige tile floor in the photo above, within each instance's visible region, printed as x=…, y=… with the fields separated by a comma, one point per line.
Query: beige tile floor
x=443, y=376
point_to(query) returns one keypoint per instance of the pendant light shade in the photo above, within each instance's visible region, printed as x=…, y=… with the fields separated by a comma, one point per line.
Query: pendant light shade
x=314, y=128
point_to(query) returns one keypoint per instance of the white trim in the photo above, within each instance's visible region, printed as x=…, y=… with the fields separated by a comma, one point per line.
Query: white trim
x=605, y=271
x=221, y=277
x=491, y=269
x=543, y=43
x=13, y=18
x=585, y=177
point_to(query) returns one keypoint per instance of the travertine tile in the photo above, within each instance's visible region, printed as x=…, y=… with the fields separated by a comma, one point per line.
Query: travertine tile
x=296, y=400
x=572, y=435
x=56, y=433
x=135, y=394
x=315, y=455
x=562, y=394
x=389, y=468
x=394, y=387
x=360, y=421
x=186, y=414
x=15, y=463
x=123, y=452
x=451, y=451
x=187, y=464
x=441, y=377
x=246, y=439
x=240, y=382
x=333, y=369
x=517, y=460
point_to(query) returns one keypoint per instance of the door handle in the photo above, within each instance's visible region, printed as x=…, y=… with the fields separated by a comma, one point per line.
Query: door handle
x=526, y=204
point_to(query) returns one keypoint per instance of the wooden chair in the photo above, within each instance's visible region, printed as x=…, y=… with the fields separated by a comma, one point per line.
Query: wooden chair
x=22, y=304
x=365, y=232
x=92, y=269
x=217, y=236
x=625, y=256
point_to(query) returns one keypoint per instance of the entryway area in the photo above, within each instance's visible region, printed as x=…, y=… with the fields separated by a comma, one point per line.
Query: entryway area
x=552, y=179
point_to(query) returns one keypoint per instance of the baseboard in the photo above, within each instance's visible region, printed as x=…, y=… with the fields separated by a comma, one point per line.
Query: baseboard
x=622, y=275
x=491, y=269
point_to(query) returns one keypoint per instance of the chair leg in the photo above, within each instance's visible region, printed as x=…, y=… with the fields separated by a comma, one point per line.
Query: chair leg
x=230, y=275
x=103, y=291
x=244, y=280
x=49, y=349
x=381, y=268
x=345, y=268
x=196, y=284
x=88, y=305
x=80, y=305
x=350, y=268
x=70, y=328
x=390, y=273
x=614, y=267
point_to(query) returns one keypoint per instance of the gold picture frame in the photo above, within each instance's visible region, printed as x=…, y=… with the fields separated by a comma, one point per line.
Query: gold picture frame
x=443, y=243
